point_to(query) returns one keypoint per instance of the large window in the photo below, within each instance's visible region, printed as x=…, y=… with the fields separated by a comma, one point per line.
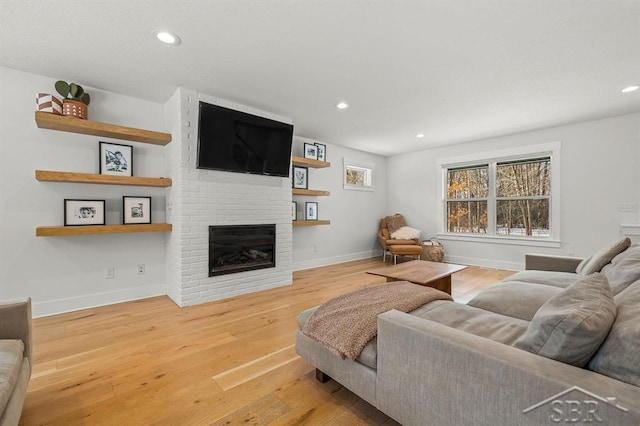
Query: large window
x=523, y=190
x=502, y=197
x=467, y=199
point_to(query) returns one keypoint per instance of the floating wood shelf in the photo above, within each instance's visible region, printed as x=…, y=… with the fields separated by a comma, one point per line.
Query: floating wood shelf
x=310, y=222
x=51, y=176
x=46, y=120
x=60, y=231
x=308, y=162
x=311, y=192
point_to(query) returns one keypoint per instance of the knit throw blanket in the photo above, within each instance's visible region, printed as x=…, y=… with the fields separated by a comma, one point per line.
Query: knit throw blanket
x=347, y=323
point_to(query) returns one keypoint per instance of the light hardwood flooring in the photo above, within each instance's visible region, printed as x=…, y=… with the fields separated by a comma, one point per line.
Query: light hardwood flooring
x=227, y=362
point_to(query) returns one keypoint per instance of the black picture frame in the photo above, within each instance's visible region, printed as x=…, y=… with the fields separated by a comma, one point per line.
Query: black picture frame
x=84, y=212
x=115, y=159
x=311, y=210
x=294, y=210
x=322, y=152
x=136, y=210
x=310, y=151
x=300, y=177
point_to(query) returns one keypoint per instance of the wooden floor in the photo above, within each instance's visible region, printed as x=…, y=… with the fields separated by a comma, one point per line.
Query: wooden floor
x=226, y=362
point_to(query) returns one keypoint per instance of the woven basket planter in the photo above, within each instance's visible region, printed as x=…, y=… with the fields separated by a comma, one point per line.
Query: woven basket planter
x=74, y=108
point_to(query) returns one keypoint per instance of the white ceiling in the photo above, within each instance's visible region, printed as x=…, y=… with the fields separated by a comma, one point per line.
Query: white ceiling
x=455, y=70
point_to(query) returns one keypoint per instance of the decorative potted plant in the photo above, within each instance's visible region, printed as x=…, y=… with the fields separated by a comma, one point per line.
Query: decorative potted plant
x=75, y=99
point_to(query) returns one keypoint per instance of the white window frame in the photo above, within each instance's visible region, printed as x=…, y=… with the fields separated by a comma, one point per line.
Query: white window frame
x=369, y=169
x=551, y=149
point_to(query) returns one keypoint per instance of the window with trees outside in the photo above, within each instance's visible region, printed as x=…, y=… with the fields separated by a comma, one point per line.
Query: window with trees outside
x=358, y=175
x=501, y=198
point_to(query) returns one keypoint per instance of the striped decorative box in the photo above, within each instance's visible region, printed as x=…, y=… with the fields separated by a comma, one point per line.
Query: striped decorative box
x=48, y=103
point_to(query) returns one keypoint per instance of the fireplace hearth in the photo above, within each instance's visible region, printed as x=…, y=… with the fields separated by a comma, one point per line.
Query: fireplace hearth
x=239, y=248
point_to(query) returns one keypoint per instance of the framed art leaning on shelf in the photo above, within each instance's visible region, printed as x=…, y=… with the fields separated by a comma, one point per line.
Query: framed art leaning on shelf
x=83, y=212
x=136, y=210
x=116, y=159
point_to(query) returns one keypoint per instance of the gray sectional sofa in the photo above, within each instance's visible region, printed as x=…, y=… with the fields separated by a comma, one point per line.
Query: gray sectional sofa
x=559, y=344
x=15, y=358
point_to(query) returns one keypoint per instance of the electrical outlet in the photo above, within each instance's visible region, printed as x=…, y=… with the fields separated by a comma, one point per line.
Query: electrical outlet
x=141, y=269
x=110, y=273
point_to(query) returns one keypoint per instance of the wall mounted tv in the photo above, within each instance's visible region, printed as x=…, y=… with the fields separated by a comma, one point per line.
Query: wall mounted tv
x=235, y=141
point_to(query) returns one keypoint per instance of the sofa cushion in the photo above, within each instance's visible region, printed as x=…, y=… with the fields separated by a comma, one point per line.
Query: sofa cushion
x=496, y=327
x=605, y=255
x=624, y=269
x=619, y=354
x=552, y=278
x=11, y=355
x=514, y=298
x=571, y=325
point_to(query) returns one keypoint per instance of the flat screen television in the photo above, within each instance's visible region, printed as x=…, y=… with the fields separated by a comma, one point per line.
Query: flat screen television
x=235, y=141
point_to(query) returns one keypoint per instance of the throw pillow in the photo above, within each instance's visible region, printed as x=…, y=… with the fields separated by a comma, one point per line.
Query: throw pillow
x=394, y=223
x=618, y=354
x=406, y=233
x=606, y=254
x=571, y=325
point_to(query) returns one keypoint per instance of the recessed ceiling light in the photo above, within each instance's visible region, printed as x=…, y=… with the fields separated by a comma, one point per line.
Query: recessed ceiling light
x=342, y=105
x=167, y=37
x=420, y=135
x=630, y=89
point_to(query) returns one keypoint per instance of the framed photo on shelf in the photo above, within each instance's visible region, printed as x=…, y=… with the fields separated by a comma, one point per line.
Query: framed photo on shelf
x=311, y=210
x=83, y=212
x=310, y=151
x=294, y=210
x=116, y=159
x=136, y=210
x=322, y=152
x=300, y=177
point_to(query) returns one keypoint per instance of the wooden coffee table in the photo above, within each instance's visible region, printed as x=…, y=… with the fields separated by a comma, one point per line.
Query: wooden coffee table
x=423, y=272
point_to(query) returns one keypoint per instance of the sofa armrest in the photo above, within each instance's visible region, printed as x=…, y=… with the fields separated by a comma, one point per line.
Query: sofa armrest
x=546, y=262
x=15, y=323
x=429, y=373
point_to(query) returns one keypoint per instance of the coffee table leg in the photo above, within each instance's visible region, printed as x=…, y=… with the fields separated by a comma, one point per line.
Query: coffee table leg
x=443, y=284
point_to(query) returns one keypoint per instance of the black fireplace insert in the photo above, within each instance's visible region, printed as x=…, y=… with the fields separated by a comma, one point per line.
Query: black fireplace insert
x=238, y=248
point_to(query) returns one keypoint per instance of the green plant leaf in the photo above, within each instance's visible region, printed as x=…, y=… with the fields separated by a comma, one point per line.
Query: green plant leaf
x=86, y=98
x=73, y=89
x=62, y=87
x=79, y=92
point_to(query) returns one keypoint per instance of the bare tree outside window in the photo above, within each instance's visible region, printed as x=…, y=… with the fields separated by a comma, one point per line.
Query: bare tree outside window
x=521, y=203
x=356, y=176
x=523, y=189
x=467, y=195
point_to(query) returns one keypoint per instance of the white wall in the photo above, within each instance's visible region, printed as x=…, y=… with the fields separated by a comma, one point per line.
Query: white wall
x=600, y=163
x=68, y=273
x=354, y=215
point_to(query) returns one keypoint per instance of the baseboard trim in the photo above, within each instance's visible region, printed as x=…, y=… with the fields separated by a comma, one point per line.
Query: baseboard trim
x=325, y=261
x=60, y=306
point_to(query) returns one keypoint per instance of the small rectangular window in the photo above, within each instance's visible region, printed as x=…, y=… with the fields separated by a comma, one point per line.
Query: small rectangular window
x=358, y=175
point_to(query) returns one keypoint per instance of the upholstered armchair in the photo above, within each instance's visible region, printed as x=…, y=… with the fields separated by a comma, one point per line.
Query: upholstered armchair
x=388, y=225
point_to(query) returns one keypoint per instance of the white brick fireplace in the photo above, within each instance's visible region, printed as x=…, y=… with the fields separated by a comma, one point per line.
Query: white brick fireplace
x=201, y=198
